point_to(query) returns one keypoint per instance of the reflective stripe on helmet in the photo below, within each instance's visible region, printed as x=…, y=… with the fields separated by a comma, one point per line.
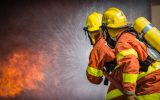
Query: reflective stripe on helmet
x=154, y=96
x=129, y=78
x=153, y=67
x=125, y=53
x=113, y=94
x=94, y=72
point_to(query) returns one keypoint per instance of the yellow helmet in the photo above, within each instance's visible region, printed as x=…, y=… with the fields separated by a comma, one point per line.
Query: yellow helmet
x=114, y=18
x=94, y=21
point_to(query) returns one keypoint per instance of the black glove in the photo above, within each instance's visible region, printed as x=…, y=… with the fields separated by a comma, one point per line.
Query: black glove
x=105, y=81
x=109, y=66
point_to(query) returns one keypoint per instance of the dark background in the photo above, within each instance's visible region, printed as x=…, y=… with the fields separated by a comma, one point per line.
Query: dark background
x=54, y=28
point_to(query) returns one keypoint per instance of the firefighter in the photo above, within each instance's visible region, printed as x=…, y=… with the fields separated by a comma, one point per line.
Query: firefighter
x=132, y=57
x=128, y=52
x=101, y=52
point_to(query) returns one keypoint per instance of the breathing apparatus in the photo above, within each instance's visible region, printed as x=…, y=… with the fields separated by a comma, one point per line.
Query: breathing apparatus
x=149, y=35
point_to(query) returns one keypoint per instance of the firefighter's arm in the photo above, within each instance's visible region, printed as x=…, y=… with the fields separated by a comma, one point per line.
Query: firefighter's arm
x=131, y=64
x=127, y=58
x=94, y=72
x=144, y=59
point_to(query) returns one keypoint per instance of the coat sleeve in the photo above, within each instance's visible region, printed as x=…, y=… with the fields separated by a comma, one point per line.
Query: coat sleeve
x=93, y=72
x=97, y=60
x=128, y=56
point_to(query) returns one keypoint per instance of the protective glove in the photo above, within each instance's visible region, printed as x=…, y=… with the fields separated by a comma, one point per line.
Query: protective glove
x=105, y=81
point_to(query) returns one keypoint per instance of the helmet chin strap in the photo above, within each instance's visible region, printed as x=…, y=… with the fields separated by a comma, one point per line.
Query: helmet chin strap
x=85, y=31
x=104, y=31
x=90, y=39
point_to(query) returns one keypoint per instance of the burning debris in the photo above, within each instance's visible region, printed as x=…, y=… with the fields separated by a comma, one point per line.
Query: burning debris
x=21, y=70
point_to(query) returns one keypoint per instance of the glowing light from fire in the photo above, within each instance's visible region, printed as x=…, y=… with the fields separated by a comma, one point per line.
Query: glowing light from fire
x=21, y=70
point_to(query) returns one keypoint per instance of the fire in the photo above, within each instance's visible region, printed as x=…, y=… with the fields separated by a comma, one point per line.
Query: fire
x=21, y=70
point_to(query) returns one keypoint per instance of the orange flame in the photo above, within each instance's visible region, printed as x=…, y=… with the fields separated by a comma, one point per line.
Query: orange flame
x=21, y=71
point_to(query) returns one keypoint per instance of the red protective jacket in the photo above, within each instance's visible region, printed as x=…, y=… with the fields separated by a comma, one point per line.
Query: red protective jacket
x=129, y=51
x=99, y=55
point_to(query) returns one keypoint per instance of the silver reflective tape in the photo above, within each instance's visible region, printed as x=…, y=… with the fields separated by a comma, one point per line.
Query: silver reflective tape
x=147, y=28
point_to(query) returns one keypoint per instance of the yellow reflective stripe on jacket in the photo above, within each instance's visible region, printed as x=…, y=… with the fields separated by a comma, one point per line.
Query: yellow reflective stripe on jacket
x=154, y=96
x=94, y=72
x=129, y=78
x=125, y=53
x=153, y=67
x=113, y=94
